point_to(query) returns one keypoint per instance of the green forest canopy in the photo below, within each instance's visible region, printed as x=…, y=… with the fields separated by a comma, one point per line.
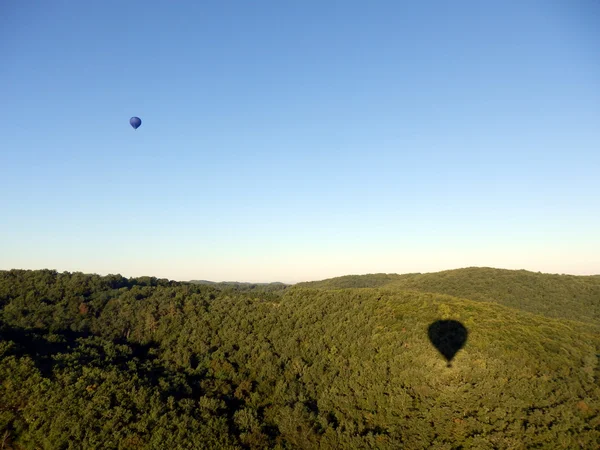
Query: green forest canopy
x=559, y=296
x=110, y=362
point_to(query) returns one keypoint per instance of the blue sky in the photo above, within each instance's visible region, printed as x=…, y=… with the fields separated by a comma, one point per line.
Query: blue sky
x=299, y=140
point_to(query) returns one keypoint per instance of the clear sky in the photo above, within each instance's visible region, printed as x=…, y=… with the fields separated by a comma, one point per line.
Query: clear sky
x=299, y=140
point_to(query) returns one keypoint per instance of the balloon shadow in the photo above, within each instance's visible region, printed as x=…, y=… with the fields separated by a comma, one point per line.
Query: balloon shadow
x=448, y=337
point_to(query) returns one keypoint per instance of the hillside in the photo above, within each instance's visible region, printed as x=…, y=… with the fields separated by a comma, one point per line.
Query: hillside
x=558, y=296
x=110, y=362
x=243, y=286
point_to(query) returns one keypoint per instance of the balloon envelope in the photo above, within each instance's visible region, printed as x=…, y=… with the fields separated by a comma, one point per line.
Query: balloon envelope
x=135, y=122
x=448, y=336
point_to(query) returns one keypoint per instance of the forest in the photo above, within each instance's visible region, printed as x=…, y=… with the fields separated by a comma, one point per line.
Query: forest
x=90, y=361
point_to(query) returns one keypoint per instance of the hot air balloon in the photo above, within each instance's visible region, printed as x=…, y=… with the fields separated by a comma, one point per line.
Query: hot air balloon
x=448, y=336
x=135, y=122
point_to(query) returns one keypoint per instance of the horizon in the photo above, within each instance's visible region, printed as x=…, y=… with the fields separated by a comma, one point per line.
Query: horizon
x=314, y=280
x=300, y=142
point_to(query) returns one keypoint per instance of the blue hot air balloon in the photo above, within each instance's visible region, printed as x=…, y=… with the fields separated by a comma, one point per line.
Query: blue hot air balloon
x=135, y=122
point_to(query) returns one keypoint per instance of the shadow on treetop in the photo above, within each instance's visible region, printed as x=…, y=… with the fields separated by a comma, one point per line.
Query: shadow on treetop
x=448, y=337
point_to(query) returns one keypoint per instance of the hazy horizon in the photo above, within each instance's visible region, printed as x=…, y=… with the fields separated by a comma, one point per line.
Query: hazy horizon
x=200, y=278
x=298, y=142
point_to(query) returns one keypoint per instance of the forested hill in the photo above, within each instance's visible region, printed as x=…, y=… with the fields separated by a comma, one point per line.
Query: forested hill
x=241, y=286
x=143, y=363
x=559, y=296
